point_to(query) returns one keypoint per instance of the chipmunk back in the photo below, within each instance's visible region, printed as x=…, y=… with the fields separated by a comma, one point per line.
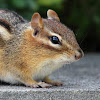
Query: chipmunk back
x=31, y=51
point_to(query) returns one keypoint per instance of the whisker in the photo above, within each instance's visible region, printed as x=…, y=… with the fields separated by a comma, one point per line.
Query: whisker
x=83, y=39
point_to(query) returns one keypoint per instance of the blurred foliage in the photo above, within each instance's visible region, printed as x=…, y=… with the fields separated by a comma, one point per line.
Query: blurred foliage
x=82, y=16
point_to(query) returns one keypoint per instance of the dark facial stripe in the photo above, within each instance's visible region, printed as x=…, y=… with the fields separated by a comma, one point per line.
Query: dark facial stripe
x=5, y=24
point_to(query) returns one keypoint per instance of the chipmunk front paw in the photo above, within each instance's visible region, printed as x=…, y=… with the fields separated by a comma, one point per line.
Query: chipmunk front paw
x=33, y=85
x=44, y=85
x=40, y=85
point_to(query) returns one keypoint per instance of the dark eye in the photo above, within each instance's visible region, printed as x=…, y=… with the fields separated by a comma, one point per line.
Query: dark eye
x=54, y=40
x=35, y=32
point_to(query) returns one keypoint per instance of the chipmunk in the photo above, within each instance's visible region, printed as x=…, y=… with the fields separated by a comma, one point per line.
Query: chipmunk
x=31, y=51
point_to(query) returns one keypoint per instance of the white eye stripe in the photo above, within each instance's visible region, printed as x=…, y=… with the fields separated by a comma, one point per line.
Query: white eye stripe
x=54, y=34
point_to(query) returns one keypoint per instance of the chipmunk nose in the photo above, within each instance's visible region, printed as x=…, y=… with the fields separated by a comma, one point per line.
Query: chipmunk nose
x=79, y=54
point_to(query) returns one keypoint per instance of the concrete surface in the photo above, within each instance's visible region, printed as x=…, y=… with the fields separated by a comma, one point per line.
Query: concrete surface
x=81, y=82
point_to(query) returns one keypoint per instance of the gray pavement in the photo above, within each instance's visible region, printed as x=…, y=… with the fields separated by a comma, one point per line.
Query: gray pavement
x=81, y=81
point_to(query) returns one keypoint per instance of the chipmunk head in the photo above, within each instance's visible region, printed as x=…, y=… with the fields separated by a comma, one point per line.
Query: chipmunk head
x=53, y=39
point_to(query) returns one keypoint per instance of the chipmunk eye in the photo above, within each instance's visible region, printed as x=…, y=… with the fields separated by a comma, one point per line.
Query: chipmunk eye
x=54, y=40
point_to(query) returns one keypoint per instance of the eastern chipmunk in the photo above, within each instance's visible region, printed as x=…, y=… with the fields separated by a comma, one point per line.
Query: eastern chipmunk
x=31, y=51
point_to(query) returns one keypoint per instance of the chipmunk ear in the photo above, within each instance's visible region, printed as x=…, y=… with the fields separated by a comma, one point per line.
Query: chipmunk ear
x=52, y=15
x=36, y=21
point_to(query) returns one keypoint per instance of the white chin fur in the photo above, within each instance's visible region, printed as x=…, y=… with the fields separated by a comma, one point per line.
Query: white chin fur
x=65, y=60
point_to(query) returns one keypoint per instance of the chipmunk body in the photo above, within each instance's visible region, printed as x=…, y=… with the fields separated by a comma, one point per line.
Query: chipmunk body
x=31, y=51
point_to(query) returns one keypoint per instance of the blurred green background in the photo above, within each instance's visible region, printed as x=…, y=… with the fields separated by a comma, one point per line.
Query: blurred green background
x=82, y=16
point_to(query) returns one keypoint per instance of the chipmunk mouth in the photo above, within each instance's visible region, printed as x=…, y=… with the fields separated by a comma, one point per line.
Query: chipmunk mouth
x=68, y=58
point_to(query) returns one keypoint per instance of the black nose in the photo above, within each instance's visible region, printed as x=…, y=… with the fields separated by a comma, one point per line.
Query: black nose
x=79, y=54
